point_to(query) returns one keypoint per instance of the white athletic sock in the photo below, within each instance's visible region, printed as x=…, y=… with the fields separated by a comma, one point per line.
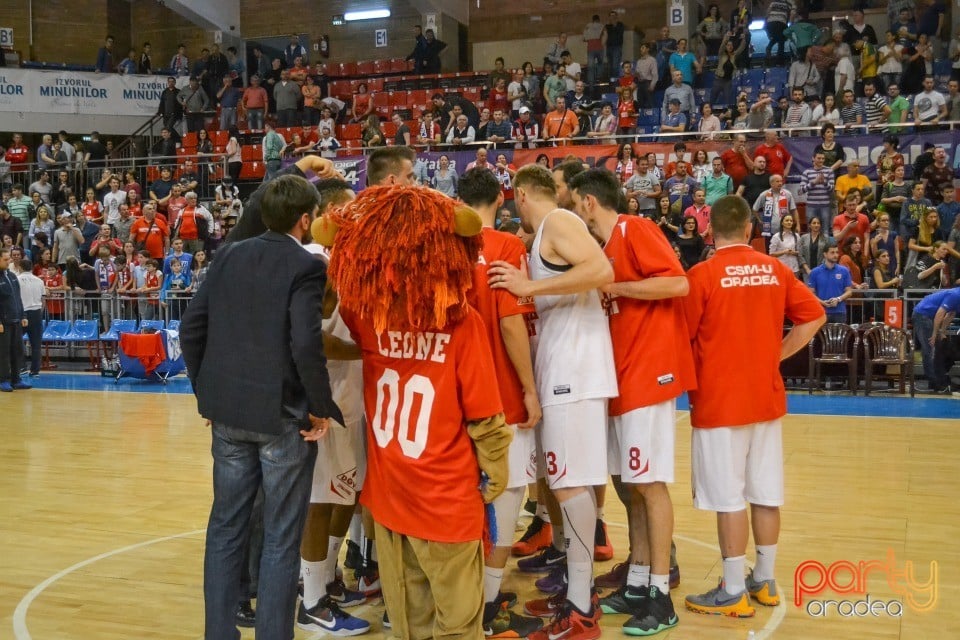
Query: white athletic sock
x=333, y=556
x=579, y=525
x=558, y=537
x=600, y=513
x=734, y=582
x=356, y=528
x=492, y=579
x=542, y=512
x=639, y=575
x=314, y=582
x=662, y=583
x=766, y=556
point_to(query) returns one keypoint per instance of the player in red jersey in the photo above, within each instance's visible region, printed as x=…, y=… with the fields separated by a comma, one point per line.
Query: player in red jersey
x=735, y=311
x=654, y=365
x=434, y=419
x=503, y=315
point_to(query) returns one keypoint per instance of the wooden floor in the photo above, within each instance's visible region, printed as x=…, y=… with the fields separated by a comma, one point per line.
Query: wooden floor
x=105, y=498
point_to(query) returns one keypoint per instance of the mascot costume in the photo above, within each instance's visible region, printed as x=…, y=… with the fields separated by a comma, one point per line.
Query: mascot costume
x=403, y=262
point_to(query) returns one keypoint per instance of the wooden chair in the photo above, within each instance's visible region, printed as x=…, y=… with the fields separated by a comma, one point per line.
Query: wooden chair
x=885, y=346
x=838, y=345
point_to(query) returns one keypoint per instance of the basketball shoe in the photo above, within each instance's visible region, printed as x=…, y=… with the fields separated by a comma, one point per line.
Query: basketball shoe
x=537, y=536
x=763, y=591
x=720, y=603
x=569, y=623
x=656, y=614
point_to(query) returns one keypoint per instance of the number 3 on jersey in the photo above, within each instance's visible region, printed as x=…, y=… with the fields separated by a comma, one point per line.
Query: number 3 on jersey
x=390, y=398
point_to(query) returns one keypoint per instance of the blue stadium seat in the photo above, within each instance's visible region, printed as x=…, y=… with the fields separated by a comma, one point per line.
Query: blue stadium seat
x=775, y=81
x=151, y=324
x=648, y=117
x=700, y=96
x=55, y=330
x=83, y=331
x=116, y=328
x=174, y=325
x=612, y=98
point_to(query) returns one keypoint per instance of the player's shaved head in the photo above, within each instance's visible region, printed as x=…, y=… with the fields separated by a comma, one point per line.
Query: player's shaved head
x=536, y=178
x=729, y=217
x=602, y=184
x=334, y=192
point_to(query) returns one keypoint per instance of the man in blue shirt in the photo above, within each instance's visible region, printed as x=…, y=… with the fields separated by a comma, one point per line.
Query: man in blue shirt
x=684, y=62
x=949, y=208
x=931, y=318
x=832, y=284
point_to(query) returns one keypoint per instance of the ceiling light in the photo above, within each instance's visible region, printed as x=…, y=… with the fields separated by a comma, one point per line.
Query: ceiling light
x=372, y=14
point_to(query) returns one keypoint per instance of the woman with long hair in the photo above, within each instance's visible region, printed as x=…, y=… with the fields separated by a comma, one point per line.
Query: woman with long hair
x=362, y=103
x=652, y=166
x=199, y=267
x=690, y=242
x=927, y=233
x=890, y=158
x=372, y=136
x=811, y=246
x=633, y=206
x=625, y=162
x=826, y=112
x=855, y=259
x=884, y=276
x=233, y=153
x=886, y=239
x=722, y=90
x=701, y=167
x=445, y=178
x=43, y=223
x=668, y=221
x=206, y=167
x=543, y=160
x=712, y=30
x=783, y=245
x=134, y=205
x=91, y=207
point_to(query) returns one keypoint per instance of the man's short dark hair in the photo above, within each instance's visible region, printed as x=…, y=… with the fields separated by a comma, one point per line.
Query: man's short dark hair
x=600, y=183
x=437, y=95
x=332, y=192
x=729, y=216
x=569, y=170
x=564, y=53
x=26, y=265
x=286, y=199
x=478, y=187
x=680, y=146
x=387, y=161
x=535, y=177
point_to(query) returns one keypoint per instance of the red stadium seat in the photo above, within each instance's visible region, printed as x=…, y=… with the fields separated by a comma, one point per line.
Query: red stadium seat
x=189, y=139
x=348, y=69
x=365, y=68
x=375, y=84
x=340, y=88
x=389, y=129
x=353, y=131
x=381, y=66
x=252, y=171
x=398, y=99
x=220, y=138
x=398, y=65
x=288, y=132
x=251, y=152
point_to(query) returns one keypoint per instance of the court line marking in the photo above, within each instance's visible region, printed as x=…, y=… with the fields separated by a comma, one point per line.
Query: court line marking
x=20, y=631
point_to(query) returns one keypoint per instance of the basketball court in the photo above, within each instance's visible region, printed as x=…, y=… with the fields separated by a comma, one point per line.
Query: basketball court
x=107, y=490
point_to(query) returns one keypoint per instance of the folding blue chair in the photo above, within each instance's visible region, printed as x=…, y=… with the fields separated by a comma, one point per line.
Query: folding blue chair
x=83, y=331
x=55, y=330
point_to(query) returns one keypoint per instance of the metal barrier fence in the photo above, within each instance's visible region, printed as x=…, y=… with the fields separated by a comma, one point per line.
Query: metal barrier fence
x=80, y=325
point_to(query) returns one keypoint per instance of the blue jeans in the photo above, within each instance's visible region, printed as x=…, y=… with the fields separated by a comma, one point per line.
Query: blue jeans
x=934, y=364
x=614, y=59
x=255, y=119
x=242, y=462
x=594, y=66
x=272, y=167
x=228, y=117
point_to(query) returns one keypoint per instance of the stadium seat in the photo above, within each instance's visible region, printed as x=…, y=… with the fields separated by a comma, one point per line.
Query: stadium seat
x=55, y=331
x=220, y=138
x=252, y=171
x=381, y=66
x=398, y=65
x=352, y=131
x=365, y=68
x=397, y=99
x=174, y=325
x=156, y=325
x=82, y=331
x=189, y=139
x=250, y=152
x=116, y=328
x=348, y=69
x=648, y=117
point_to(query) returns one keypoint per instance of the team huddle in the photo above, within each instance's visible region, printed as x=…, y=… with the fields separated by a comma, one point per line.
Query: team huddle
x=555, y=364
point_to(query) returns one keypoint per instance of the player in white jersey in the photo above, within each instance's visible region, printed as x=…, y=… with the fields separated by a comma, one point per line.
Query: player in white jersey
x=339, y=469
x=575, y=377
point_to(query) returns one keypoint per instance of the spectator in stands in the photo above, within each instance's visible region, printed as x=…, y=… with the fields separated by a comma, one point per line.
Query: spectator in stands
x=855, y=260
x=784, y=245
x=712, y=30
x=445, y=178
x=722, y=90
x=170, y=109
x=294, y=50
x=128, y=65
x=852, y=180
x=626, y=111
x=42, y=223
x=700, y=211
x=193, y=225
x=11, y=227
x=431, y=54
x=681, y=92
x=851, y=114
x=716, y=184
x=145, y=62
x=419, y=50
x=844, y=75
x=886, y=239
x=613, y=39
x=228, y=96
x=165, y=149
x=593, y=36
x=604, y=125
x=526, y=130
x=917, y=64
x=286, y=93
x=834, y=155
x=869, y=61
x=150, y=233
x=573, y=71
x=121, y=230
x=953, y=100
x=858, y=30
x=560, y=124
x=811, y=247
x=772, y=205
x=689, y=241
x=937, y=176
x=558, y=47
x=826, y=113
x=188, y=177
x=498, y=97
x=647, y=75
x=929, y=106
x=685, y=62
x=160, y=190
x=255, y=101
x=462, y=133
x=233, y=153
x=498, y=73
x=818, y=183
x=737, y=161
x=17, y=155
x=930, y=22
x=104, y=62
x=195, y=103
x=112, y=201
x=179, y=63
x=761, y=113
x=403, y=137
x=429, y=129
x=804, y=74
x=948, y=208
x=779, y=160
x=299, y=72
x=930, y=271
x=889, y=57
x=217, y=66
x=555, y=86
x=372, y=136
x=798, y=113
x=680, y=188
x=756, y=182
x=877, y=109
x=499, y=131
x=480, y=162
x=779, y=14
x=44, y=152
x=66, y=241
x=106, y=240
x=954, y=56
x=92, y=207
x=851, y=223
x=674, y=121
x=832, y=284
x=43, y=187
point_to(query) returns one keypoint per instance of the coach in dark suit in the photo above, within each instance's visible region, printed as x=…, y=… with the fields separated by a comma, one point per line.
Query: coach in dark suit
x=12, y=322
x=253, y=345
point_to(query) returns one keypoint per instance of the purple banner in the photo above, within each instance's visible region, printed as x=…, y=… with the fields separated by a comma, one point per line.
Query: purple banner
x=867, y=148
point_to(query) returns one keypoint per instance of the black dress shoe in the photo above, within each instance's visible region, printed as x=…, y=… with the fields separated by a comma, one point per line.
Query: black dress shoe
x=246, y=616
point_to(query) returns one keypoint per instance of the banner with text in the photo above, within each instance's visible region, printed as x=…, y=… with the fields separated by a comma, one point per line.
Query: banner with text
x=69, y=92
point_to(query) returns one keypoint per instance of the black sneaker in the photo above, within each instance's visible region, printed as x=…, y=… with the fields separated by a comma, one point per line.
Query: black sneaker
x=657, y=614
x=626, y=599
x=506, y=599
x=245, y=617
x=543, y=562
x=499, y=622
x=354, y=558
